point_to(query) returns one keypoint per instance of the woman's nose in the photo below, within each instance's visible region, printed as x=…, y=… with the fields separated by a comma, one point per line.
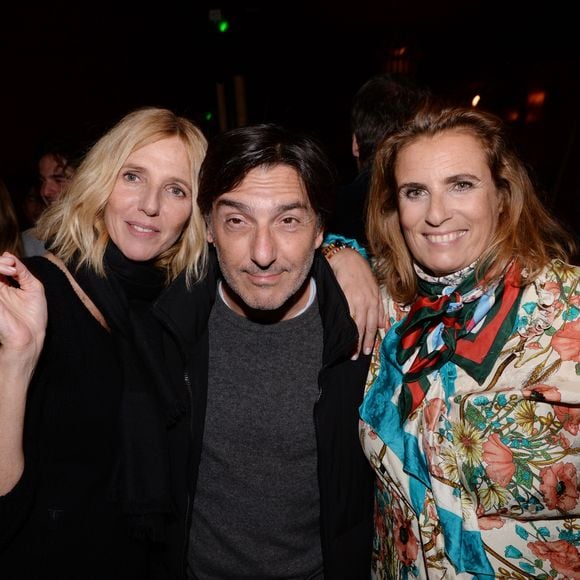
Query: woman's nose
x=149, y=202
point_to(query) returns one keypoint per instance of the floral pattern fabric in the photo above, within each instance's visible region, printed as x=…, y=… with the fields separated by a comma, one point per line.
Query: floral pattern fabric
x=482, y=480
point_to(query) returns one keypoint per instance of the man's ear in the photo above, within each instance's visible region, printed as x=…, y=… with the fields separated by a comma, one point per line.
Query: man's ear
x=209, y=234
x=319, y=238
x=355, y=152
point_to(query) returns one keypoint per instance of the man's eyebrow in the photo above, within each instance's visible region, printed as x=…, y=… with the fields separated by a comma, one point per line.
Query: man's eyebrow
x=244, y=207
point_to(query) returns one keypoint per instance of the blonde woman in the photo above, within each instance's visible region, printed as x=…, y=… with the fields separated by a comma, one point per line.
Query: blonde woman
x=84, y=447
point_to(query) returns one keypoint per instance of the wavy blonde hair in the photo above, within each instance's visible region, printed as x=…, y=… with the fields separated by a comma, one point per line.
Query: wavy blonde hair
x=75, y=225
x=526, y=231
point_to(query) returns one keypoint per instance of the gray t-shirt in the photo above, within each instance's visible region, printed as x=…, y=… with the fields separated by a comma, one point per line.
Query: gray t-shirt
x=256, y=509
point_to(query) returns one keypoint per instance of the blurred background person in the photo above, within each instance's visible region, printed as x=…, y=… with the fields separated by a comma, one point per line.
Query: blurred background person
x=31, y=207
x=58, y=159
x=379, y=107
x=471, y=412
x=9, y=226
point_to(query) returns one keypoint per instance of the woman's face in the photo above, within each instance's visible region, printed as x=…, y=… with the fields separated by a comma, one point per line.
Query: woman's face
x=448, y=203
x=151, y=200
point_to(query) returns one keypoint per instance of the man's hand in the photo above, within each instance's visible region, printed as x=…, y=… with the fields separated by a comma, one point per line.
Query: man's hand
x=362, y=292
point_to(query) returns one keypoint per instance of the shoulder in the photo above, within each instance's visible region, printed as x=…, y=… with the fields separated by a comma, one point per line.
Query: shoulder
x=559, y=279
x=32, y=245
x=43, y=269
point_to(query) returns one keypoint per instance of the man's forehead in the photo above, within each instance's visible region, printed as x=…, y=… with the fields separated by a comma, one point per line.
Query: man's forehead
x=268, y=186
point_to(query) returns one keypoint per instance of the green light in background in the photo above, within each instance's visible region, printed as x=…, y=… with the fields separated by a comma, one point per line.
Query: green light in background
x=223, y=25
x=209, y=116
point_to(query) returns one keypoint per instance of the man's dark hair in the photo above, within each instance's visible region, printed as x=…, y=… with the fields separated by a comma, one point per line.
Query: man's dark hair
x=66, y=151
x=380, y=106
x=232, y=155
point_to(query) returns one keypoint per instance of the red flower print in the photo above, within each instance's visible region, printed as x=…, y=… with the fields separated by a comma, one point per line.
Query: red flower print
x=559, y=486
x=499, y=459
x=569, y=417
x=432, y=411
x=541, y=392
x=405, y=541
x=566, y=341
x=490, y=522
x=563, y=556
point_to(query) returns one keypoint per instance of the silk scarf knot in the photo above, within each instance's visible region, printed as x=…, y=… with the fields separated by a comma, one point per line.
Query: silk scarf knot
x=467, y=323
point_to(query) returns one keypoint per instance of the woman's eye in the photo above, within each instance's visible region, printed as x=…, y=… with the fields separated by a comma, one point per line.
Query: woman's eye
x=131, y=177
x=413, y=193
x=177, y=191
x=462, y=185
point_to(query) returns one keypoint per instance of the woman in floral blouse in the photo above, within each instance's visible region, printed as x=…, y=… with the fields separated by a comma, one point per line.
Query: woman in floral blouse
x=472, y=408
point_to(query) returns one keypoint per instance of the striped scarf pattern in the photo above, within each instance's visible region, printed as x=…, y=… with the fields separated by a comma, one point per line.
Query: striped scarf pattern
x=468, y=324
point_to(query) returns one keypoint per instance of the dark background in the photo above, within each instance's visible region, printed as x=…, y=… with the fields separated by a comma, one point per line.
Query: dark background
x=76, y=68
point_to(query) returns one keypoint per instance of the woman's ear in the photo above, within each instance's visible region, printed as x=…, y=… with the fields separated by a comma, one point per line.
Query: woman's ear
x=502, y=198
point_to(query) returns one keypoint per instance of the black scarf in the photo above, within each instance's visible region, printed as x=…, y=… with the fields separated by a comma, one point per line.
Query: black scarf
x=149, y=404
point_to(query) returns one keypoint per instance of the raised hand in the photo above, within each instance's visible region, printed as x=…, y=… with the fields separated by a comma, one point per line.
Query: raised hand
x=23, y=317
x=23, y=311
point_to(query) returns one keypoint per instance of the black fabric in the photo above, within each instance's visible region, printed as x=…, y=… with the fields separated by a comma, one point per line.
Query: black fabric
x=349, y=217
x=344, y=476
x=59, y=522
x=148, y=404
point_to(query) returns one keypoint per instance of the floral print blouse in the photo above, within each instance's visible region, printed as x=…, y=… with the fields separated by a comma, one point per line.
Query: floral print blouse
x=482, y=480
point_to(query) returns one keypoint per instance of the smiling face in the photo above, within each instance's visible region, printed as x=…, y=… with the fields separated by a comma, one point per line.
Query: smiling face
x=265, y=233
x=151, y=200
x=448, y=203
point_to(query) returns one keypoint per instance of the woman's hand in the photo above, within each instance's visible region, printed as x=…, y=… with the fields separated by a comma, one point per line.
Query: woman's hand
x=23, y=317
x=362, y=292
x=23, y=311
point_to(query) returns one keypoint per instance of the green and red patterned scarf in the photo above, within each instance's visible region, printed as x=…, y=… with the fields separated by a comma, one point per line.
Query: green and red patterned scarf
x=467, y=324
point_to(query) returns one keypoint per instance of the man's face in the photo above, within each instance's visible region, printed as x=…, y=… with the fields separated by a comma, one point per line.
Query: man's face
x=54, y=175
x=265, y=232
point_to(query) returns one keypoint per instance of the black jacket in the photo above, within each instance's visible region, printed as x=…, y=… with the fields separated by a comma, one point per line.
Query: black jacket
x=345, y=477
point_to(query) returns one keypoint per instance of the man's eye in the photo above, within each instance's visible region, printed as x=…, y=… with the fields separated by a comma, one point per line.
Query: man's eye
x=290, y=221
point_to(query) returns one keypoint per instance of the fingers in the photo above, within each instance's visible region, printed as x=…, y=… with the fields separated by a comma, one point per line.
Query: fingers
x=370, y=331
x=367, y=325
x=11, y=266
x=7, y=264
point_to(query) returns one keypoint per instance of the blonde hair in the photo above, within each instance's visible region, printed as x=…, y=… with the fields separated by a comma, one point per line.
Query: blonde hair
x=526, y=231
x=75, y=225
x=9, y=227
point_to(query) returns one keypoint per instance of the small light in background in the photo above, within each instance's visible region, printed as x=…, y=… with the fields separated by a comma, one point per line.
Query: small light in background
x=208, y=116
x=475, y=100
x=512, y=115
x=535, y=105
x=216, y=16
x=536, y=98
